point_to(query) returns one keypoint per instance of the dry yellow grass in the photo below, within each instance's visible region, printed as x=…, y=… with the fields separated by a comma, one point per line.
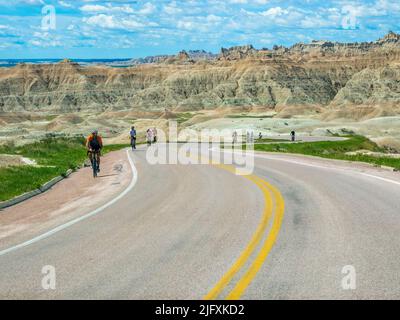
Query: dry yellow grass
x=10, y=160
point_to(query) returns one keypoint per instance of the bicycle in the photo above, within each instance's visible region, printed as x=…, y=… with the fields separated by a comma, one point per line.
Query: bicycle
x=93, y=160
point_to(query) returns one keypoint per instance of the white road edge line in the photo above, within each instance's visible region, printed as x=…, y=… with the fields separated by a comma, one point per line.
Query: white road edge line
x=330, y=168
x=77, y=220
x=276, y=158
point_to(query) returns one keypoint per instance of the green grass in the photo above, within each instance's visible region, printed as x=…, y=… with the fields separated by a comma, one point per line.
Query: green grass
x=334, y=150
x=242, y=116
x=183, y=117
x=115, y=147
x=266, y=140
x=50, y=117
x=56, y=156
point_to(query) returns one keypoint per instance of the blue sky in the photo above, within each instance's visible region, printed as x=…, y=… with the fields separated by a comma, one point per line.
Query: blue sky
x=128, y=29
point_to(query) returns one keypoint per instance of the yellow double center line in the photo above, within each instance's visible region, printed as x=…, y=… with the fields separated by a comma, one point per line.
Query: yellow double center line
x=274, y=205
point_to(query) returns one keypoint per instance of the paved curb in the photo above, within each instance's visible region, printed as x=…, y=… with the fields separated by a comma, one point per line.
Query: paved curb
x=390, y=168
x=31, y=194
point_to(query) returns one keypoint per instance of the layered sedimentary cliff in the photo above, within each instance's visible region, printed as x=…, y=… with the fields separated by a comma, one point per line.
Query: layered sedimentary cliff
x=321, y=73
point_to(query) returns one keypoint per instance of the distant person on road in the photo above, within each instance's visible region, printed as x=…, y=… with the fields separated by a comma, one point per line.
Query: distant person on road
x=260, y=136
x=154, y=135
x=132, y=134
x=149, y=137
x=94, y=144
x=293, y=136
x=234, y=137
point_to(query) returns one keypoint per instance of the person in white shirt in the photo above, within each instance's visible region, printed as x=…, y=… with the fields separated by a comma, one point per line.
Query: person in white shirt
x=149, y=136
x=154, y=135
x=234, y=137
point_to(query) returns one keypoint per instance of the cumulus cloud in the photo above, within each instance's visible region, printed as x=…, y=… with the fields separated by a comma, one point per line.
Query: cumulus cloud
x=274, y=12
x=32, y=1
x=65, y=4
x=45, y=39
x=148, y=8
x=96, y=8
x=114, y=22
x=172, y=8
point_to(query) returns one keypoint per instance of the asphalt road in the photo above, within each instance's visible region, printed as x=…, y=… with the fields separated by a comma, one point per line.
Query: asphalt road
x=199, y=231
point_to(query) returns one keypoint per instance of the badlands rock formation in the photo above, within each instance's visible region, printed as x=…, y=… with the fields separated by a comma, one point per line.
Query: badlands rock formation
x=321, y=74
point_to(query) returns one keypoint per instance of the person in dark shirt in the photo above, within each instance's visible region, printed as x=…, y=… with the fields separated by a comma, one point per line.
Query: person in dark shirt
x=132, y=134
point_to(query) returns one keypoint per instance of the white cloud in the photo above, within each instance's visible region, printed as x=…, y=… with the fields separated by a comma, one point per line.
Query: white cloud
x=172, y=8
x=112, y=22
x=45, y=44
x=188, y=25
x=316, y=22
x=148, y=8
x=96, y=8
x=65, y=4
x=33, y=1
x=93, y=8
x=45, y=39
x=213, y=18
x=274, y=12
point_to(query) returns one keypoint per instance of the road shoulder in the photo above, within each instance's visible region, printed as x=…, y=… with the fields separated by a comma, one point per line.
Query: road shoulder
x=69, y=199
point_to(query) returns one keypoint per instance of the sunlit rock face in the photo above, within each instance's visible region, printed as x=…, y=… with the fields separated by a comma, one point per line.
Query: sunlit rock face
x=321, y=73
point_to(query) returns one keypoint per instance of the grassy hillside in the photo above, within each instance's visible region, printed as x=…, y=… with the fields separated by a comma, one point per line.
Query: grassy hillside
x=335, y=150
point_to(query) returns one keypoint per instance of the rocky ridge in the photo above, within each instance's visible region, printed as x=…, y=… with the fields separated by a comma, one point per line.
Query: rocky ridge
x=322, y=73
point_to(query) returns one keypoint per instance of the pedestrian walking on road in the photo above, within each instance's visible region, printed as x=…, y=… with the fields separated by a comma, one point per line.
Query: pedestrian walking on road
x=293, y=136
x=149, y=137
x=234, y=137
x=132, y=134
x=154, y=135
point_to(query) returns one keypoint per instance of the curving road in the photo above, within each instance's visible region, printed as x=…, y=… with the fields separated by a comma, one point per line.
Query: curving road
x=199, y=231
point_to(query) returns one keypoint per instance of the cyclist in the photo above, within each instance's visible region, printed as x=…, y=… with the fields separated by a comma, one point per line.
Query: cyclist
x=94, y=144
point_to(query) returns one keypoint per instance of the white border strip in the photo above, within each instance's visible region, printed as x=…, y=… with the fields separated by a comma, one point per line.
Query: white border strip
x=345, y=170
x=348, y=170
x=75, y=221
